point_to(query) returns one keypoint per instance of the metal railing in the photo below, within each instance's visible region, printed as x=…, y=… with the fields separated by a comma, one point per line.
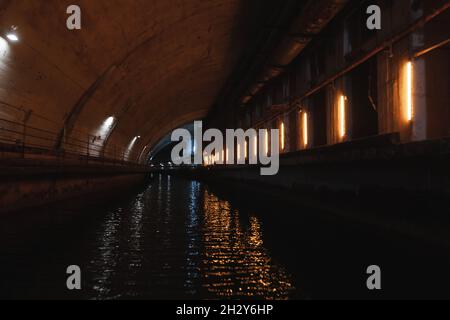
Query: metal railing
x=27, y=141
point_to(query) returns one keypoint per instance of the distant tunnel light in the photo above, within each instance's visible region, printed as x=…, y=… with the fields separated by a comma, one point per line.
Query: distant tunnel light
x=342, y=112
x=131, y=146
x=409, y=91
x=282, y=136
x=12, y=37
x=305, y=129
x=142, y=152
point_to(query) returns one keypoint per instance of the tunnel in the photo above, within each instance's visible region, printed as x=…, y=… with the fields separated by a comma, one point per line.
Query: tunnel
x=224, y=150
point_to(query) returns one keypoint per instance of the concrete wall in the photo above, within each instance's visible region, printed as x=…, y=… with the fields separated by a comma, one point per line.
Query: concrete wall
x=343, y=43
x=33, y=190
x=412, y=177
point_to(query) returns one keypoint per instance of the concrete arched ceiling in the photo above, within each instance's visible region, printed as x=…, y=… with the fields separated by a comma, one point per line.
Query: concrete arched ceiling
x=152, y=64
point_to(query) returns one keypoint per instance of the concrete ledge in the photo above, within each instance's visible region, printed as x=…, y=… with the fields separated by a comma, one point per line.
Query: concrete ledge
x=378, y=163
x=405, y=188
x=27, y=183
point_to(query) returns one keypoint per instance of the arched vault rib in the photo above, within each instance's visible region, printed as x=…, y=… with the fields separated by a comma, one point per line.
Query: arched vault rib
x=129, y=66
x=151, y=118
x=151, y=64
x=71, y=119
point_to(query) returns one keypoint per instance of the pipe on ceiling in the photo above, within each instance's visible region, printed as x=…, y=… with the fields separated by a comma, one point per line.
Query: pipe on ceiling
x=314, y=17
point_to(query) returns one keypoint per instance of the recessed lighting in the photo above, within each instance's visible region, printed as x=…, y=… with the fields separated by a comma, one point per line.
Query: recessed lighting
x=12, y=37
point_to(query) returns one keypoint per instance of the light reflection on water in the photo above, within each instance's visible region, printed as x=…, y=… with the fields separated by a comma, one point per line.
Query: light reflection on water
x=192, y=266
x=235, y=262
x=178, y=240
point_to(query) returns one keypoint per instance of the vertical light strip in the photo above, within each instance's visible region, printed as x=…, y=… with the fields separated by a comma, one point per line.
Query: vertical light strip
x=255, y=147
x=305, y=129
x=409, y=97
x=266, y=142
x=238, y=152
x=342, y=125
x=246, y=149
x=282, y=136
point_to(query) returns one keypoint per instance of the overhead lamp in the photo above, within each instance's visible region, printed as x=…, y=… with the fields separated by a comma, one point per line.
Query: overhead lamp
x=12, y=35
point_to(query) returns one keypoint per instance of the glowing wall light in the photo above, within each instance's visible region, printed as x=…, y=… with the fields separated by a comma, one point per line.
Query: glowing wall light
x=12, y=37
x=246, y=150
x=4, y=47
x=142, y=153
x=238, y=152
x=409, y=91
x=255, y=147
x=342, y=120
x=109, y=121
x=282, y=135
x=106, y=127
x=266, y=142
x=305, y=129
x=131, y=146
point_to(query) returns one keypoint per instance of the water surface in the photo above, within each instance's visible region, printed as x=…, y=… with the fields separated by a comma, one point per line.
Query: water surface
x=181, y=239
